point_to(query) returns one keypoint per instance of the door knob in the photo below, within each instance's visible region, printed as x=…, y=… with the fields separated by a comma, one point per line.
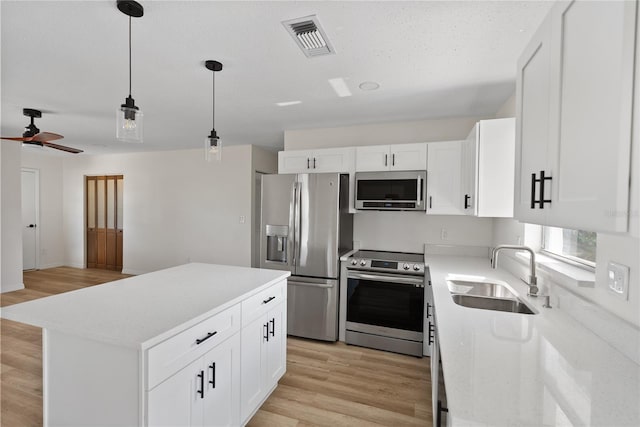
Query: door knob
x=31, y=226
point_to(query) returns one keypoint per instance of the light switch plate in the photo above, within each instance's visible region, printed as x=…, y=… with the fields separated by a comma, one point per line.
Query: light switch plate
x=618, y=279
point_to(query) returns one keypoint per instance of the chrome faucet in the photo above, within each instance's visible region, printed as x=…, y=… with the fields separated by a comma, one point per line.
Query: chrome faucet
x=533, y=281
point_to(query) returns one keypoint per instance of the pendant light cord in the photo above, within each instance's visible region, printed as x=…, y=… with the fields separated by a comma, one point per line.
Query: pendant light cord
x=213, y=101
x=129, y=56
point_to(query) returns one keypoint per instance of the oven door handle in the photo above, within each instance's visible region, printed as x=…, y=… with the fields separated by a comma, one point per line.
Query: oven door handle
x=387, y=278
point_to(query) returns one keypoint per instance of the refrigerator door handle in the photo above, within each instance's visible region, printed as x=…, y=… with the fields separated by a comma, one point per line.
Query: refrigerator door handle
x=297, y=218
x=312, y=285
x=292, y=223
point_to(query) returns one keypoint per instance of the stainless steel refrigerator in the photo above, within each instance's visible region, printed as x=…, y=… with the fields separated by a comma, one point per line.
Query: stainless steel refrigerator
x=305, y=227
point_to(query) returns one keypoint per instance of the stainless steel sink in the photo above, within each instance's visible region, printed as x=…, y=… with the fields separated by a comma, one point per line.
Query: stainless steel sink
x=481, y=289
x=487, y=303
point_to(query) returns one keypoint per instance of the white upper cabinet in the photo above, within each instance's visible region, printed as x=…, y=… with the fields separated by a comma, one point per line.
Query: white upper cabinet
x=401, y=157
x=574, y=108
x=444, y=178
x=316, y=161
x=488, y=169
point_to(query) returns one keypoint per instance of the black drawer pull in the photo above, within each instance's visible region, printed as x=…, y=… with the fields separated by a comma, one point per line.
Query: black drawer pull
x=432, y=330
x=268, y=300
x=273, y=327
x=466, y=201
x=209, y=335
x=428, y=314
x=201, y=391
x=533, y=190
x=266, y=334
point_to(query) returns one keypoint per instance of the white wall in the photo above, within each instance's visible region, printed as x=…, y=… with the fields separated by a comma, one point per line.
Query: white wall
x=381, y=133
x=177, y=207
x=401, y=231
x=409, y=231
x=49, y=165
x=11, y=272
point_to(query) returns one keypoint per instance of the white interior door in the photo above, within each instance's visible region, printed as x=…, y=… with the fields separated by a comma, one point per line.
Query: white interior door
x=30, y=204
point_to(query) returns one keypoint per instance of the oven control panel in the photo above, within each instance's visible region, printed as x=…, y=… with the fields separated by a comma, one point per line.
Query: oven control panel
x=390, y=266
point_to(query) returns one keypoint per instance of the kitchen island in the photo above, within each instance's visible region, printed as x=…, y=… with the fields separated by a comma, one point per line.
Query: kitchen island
x=512, y=369
x=196, y=344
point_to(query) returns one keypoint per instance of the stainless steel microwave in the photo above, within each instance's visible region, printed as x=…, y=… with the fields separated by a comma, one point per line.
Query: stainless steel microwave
x=391, y=191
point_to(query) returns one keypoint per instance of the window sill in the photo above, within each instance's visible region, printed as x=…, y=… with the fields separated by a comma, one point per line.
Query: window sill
x=562, y=272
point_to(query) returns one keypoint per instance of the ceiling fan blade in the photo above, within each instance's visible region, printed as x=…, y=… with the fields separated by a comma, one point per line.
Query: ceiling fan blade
x=47, y=136
x=17, y=138
x=61, y=147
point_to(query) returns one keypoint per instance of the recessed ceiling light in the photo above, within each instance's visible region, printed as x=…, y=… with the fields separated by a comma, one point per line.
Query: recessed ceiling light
x=340, y=87
x=369, y=86
x=287, y=103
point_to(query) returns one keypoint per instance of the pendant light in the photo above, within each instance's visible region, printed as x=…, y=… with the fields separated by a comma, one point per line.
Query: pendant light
x=129, y=116
x=212, y=143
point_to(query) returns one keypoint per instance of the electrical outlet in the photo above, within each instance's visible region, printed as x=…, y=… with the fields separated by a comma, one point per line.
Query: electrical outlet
x=618, y=279
x=444, y=234
x=242, y=219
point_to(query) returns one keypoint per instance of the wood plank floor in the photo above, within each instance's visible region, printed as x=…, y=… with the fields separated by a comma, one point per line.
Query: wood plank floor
x=325, y=384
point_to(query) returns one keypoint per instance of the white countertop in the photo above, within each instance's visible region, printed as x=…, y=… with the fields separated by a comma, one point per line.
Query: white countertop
x=507, y=369
x=143, y=310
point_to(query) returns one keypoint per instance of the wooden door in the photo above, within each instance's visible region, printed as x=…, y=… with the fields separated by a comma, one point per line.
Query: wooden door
x=104, y=221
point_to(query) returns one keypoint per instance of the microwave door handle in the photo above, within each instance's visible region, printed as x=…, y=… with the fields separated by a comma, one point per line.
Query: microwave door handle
x=419, y=195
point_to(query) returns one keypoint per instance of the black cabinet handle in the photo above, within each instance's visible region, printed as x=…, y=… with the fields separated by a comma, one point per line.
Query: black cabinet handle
x=533, y=190
x=273, y=327
x=428, y=307
x=430, y=202
x=201, y=391
x=466, y=201
x=209, y=335
x=393, y=159
x=212, y=381
x=542, y=180
x=386, y=156
x=307, y=163
x=268, y=300
x=314, y=162
x=266, y=334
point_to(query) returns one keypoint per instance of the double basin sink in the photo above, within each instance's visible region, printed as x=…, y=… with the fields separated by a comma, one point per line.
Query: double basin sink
x=486, y=295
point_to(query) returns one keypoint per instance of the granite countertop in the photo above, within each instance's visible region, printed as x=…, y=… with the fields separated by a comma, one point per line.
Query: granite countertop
x=508, y=369
x=142, y=311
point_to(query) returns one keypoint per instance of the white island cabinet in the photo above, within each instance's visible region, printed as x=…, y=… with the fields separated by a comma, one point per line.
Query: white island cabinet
x=174, y=347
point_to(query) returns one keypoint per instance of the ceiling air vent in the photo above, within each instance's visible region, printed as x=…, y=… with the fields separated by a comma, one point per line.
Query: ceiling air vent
x=309, y=36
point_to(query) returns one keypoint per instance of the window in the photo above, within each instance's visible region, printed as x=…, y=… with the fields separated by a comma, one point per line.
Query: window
x=575, y=245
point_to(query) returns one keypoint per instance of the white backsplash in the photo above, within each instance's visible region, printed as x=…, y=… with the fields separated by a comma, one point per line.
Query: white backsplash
x=409, y=231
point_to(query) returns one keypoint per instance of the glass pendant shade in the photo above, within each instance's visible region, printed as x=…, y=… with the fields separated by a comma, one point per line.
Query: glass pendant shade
x=129, y=123
x=212, y=148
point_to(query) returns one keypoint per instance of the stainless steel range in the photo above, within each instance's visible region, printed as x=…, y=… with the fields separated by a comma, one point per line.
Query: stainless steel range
x=385, y=301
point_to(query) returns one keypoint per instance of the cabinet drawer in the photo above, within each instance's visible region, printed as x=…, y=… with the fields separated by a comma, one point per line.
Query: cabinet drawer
x=178, y=351
x=258, y=304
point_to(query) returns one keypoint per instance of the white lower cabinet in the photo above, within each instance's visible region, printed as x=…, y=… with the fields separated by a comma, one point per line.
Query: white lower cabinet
x=205, y=393
x=219, y=372
x=263, y=358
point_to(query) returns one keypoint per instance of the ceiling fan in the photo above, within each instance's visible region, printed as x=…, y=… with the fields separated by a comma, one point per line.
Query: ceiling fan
x=32, y=134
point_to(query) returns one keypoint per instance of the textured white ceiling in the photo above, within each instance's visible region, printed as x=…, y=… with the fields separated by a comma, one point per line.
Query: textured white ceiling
x=432, y=59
